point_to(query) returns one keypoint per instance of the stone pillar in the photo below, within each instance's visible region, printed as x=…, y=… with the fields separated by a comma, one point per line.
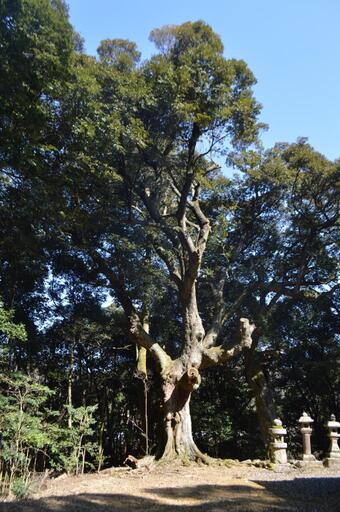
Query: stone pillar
x=306, y=431
x=278, y=453
x=333, y=456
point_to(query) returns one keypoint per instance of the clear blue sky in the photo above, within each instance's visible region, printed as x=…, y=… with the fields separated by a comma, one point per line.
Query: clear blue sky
x=292, y=47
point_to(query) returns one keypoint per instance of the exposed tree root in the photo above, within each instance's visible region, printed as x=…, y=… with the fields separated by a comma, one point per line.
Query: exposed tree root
x=148, y=463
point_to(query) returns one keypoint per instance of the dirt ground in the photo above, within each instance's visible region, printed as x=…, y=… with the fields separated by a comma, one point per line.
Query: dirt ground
x=189, y=489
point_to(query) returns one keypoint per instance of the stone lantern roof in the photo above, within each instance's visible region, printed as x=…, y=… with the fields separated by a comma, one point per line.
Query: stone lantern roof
x=333, y=423
x=305, y=418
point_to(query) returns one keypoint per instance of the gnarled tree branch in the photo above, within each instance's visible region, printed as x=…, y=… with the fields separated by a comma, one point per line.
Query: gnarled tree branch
x=220, y=355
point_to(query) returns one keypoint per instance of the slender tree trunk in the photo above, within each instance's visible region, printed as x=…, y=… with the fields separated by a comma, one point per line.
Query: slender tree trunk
x=142, y=374
x=193, y=331
x=69, y=385
x=264, y=401
x=146, y=417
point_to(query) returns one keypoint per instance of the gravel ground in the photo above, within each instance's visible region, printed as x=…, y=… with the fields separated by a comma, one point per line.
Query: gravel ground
x=177, y=488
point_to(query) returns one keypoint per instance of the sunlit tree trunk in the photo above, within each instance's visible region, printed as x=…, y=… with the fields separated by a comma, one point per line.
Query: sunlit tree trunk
x=142, y=374
x=69, y=385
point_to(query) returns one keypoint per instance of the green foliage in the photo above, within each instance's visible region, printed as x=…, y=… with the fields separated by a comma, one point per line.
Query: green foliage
x=10, y=334
x=37, y=43
x=30, y=432
x=24, y=429
x=8, y=328
x=121, y=53
x=213, y=91
x=20, y=488
x=279, y=254
x=72, y=445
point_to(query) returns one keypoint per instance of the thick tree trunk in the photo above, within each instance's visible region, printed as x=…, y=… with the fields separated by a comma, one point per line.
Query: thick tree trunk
x=181, y=376
x=178, y=432
x=180, y=379
x=178, y=441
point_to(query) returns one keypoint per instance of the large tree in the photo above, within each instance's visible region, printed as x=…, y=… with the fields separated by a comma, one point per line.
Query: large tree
x=274, y=254
x=156, y=130
x=36, y=52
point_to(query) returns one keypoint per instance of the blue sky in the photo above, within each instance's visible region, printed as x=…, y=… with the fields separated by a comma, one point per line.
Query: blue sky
x=292, y=47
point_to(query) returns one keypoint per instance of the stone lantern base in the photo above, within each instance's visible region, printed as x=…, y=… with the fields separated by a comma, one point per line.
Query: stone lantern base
x=278, y=453
x=332, y=462
x=308, y=463
x=309, y=458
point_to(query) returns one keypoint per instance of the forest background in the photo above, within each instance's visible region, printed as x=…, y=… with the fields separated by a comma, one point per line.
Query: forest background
x=111, y=187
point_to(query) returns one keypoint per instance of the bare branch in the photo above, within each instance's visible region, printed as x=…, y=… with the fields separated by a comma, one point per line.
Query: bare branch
x=214, y=142
x=222, y=313
x=173, y=270
x=182, y=205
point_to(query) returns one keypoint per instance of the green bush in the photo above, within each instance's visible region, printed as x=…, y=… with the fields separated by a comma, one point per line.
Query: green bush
x=24, y=430
x=20, y=488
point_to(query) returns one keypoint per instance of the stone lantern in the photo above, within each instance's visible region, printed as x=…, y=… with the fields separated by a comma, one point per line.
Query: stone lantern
x=278, y=454
x=306, y=431
x=333, y=458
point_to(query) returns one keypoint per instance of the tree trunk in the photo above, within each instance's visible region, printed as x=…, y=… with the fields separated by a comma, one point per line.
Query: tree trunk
x=69, y=386
x=264, y=401
x=181, y=376
x=142, y=373
x=180, y=379
x=178, y=432
x=178, y=441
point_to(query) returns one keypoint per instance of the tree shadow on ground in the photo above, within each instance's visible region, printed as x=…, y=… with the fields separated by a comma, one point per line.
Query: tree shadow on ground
x=268, y=496
x=315, y=493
